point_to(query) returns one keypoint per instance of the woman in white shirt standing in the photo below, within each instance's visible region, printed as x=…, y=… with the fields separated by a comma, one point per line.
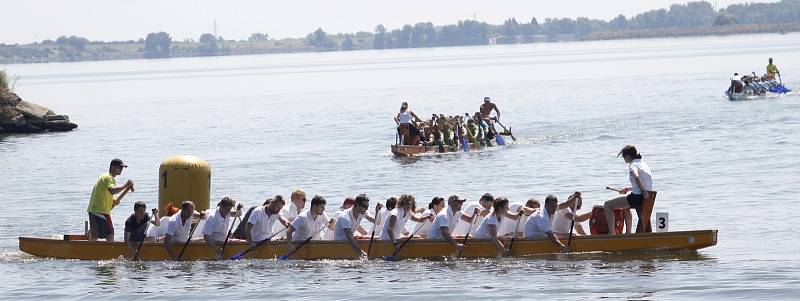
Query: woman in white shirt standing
x=641, y=184
x=490, y=224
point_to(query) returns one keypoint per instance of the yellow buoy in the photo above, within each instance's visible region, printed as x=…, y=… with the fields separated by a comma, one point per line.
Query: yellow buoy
x=184, y=178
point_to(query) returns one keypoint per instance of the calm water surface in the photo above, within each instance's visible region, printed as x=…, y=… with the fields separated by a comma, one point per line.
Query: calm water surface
x=323, y=122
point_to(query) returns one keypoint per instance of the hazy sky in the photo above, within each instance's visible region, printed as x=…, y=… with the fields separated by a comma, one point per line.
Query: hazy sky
x=25, y=21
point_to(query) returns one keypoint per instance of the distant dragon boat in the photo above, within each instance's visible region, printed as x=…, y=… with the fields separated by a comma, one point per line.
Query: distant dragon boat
x=400, y=150
x=77, y=247
x=751, y=87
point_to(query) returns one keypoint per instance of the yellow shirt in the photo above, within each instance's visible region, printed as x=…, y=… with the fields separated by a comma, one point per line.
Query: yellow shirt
x=772, y=69
x=102, y=200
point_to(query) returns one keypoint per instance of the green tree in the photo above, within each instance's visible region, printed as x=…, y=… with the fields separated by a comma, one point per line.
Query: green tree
x=208, y=44
x=348, y=43
x=724, y=20
x=320, y=39
x=157, y=45
x=78, y=43
x=511, y=28
x=256, y=37
x=532, y=28
x=379, y=40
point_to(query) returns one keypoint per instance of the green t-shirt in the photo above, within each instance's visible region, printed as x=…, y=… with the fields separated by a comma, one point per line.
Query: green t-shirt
x=772, y=69
x=102, y=200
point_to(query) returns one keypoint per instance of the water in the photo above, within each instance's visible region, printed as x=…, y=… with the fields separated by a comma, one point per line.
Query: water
x=323, y=122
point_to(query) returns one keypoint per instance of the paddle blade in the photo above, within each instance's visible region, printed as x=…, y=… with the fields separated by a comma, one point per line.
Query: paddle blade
x=499, y=139
x=284, y=257
x=237, y=256
x=465, y=144
x=389, y=258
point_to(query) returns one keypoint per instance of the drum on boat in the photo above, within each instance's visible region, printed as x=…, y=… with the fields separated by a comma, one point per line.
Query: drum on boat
x=598, y=223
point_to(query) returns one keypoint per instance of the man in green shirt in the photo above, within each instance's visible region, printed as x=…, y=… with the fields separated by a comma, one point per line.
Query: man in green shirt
x=772, y=70
x=102, y=201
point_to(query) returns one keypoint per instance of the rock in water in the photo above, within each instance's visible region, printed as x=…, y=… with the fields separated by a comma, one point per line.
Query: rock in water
x=19, y=116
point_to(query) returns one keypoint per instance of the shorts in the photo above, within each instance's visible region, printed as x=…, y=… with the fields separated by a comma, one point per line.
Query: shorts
x=101, y=224
x=635, y=200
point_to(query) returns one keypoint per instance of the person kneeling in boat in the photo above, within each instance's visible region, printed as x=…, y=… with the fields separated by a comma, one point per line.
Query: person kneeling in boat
x=309, y=224
x=489, y=226
x=641, y=179
x=260, y=224
x=349, y=221
x=445, y=221
x=215, y=230
x=102, y=201
x=396, y=223
x=136, y=226
x=540, y=223
x=179, y=227
x=562, y=218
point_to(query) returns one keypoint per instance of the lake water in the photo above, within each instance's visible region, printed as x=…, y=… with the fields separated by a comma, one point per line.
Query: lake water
x=323, y=122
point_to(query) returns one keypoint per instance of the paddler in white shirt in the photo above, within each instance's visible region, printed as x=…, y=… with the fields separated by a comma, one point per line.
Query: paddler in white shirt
x=179, y=226
x=262, y=221
x=395, y=224
x=349, y=221
x=215, y=230
x=445, y=221
x=309, y=223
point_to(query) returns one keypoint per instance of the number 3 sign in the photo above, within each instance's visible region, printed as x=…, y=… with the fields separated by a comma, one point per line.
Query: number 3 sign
x=662, y=221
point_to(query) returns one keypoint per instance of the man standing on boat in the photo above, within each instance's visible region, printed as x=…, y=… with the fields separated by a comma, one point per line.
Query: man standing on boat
x=487, y=107
x=772, y=70
x=102, y=201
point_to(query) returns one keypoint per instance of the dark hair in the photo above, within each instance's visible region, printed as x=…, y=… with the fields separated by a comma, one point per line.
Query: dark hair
x=630, y=151
x=391, y=203
x=226, y=201
x=499, y=203
x=185, y=205
x=318, y=200
x=279, y=198
x=550, y=200
x=139, y=204
x=531, y=202
x=361, y=198
x=406, y=199
x=487, y=197
x=269, y=200
x=435, y=201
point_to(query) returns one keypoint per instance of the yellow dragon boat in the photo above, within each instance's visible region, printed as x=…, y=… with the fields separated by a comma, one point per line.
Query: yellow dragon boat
x=77, y=247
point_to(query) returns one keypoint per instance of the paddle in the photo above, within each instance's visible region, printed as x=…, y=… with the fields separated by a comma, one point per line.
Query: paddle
x=464, y=142
x=505, y=129
x=239, y=255
x=372, y=236
x=146, y=226
x=572, y=227
x=286, y=257
x=514, y=234
x=464, y=243
x=239, y=212
x=609, y=188
x=394, y=254
x=191, y=232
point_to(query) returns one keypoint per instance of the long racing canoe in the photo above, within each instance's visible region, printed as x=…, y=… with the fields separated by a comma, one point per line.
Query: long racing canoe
x=76, y=247
x=400, y=150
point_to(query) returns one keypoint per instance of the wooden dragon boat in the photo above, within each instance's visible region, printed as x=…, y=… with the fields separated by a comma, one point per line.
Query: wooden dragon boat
x=77, y=247
x=400, y=150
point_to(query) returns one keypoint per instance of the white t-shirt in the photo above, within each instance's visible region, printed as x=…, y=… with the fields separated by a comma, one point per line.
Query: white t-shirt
x=562, y=224
x=305, y=225
x=263, y=223
x=290, y=212
x=217, y=226
x=422, y=228
x=445, y=218
x=178, y=229
x=538, y=224
x=346, y=220
x=383, y=216
x=644, y=175
x=329, y=233
x=402, y=218
x=483, y=229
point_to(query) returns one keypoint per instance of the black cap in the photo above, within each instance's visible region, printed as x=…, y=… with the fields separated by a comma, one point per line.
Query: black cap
x=486, y=98
x=118, y=161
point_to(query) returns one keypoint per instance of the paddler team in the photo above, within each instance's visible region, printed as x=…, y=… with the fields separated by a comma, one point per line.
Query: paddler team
x=441, y=130
x=266, y=222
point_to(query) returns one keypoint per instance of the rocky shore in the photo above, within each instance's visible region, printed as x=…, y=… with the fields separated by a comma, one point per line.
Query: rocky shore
x=20, y=116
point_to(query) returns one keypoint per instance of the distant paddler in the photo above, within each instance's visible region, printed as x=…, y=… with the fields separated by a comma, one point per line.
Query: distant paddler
x=309, y=223
x=445, y=221
x=349, y=221
x=215, y=230
x=406, y=122
x=262, y=221
x=396, y=223
x=136, y=226
x=772, y=70
x=102, y=201
x=180, y=226
x=487, y=107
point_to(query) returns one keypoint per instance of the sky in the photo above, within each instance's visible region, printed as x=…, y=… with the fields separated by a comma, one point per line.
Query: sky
x=26, y=21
